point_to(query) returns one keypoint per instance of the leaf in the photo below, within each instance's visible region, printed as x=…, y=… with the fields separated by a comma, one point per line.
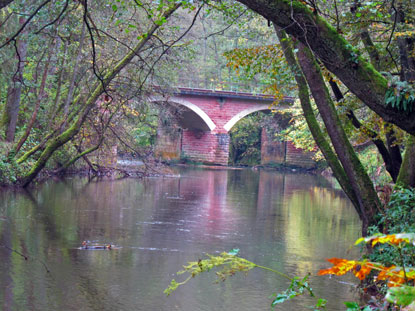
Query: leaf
x=234, y=251
x=403, y=295
x=279, y=299
x=391, y=239
x=352, y=306
x=340, y=266
x=321, y=303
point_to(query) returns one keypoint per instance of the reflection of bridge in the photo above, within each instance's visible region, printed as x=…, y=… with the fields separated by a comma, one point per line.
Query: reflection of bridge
x=206, y=118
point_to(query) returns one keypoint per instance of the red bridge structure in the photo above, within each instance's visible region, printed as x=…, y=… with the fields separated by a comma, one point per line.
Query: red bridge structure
x=204, y=119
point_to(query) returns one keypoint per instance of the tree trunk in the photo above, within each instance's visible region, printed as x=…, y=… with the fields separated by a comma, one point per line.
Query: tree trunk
x=407, y=173
x=11, y=112
x=4, y=3
x=312, y=122
x=40, y=97
x=363, y=188
x=392, y=164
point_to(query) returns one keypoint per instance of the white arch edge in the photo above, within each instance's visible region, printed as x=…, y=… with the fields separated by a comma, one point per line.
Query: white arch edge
x=244, y=113
x=189, y=105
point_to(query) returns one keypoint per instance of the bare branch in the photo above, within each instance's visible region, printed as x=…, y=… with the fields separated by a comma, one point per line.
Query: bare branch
x=56, y=19
x=24, y=24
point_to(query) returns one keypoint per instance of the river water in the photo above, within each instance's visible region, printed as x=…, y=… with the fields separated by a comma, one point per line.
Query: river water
x=289, y=222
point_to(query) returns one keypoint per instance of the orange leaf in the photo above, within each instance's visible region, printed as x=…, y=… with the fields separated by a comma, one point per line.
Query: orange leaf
x=341, y=266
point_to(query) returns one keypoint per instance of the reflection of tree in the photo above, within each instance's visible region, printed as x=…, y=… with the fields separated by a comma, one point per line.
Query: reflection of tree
x=46, y=216
x=6, y=281
x=313, y=215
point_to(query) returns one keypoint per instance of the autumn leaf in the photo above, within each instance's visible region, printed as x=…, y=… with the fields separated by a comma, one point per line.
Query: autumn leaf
x=391, y=239
x=361, y=271
x=340, y=266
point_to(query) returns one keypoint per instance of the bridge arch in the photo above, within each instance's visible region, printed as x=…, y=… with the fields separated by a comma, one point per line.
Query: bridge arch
x=240, y=115
x=199, y=112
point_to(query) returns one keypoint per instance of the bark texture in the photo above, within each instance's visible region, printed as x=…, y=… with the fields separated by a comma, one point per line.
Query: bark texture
x=407, y=173
x=392, y=163
x=14, y=91
x=311, y=120
x=368, y=202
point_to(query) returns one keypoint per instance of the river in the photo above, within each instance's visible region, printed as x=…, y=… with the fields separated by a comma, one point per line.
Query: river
x=289, y=222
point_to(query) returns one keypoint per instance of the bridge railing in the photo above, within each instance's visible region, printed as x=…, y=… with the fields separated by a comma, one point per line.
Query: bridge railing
x=216, y=85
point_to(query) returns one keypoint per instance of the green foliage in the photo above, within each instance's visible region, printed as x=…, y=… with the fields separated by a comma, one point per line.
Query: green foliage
x=398, y=217
x=10, y=171
x=230, y=263
x=245, y=136
x=400, y=95
x=399, y=279
x=297, y=287
x=374, y=165
x=298, y=132
x=354, y=306
x=403, y=295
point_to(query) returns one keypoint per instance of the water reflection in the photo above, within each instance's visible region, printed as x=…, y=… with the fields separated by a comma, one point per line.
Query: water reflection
x=290, y=222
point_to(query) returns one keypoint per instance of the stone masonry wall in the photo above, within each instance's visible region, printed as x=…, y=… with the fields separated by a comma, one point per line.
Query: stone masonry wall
x=168, y=143
x=205, y=147
x=284, y=153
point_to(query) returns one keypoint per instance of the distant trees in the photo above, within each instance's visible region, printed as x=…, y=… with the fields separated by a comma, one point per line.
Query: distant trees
x=75, y=74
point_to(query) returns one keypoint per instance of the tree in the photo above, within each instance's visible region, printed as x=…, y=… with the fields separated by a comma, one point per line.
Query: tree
x=314, y=37
x=4, y=3
x=337, y=55
x=88, y=80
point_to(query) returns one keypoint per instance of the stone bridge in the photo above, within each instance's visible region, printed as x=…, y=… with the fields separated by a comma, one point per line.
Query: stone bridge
x=201, y=133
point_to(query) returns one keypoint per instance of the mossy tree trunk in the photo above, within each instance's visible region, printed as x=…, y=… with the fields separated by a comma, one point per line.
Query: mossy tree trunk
x=11, y=109
x=407, y=173
x=56, y=142
x=335, y=53
x=368, y=201
x=311, y=120
x=344, y=162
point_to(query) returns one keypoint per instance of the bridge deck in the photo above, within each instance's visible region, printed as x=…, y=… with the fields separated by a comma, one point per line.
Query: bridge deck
x=229, y=94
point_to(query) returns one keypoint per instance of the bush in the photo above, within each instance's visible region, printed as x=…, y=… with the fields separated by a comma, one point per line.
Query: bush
x=9, y=169
x=398, y=217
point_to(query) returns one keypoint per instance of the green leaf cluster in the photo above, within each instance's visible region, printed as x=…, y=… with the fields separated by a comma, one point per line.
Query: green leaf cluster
x=297, y=287
x=228, y=262
x=401, y=96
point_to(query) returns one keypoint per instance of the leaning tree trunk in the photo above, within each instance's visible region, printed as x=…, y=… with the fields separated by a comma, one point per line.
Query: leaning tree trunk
x=311, y=120
x=406, y=51
x=367, y=198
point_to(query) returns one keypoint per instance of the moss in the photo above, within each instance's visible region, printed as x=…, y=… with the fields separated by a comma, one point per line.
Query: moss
x=406, y=175
x=312, y=122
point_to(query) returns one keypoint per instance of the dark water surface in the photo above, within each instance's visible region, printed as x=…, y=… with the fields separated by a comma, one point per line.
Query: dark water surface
x=290, y=222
